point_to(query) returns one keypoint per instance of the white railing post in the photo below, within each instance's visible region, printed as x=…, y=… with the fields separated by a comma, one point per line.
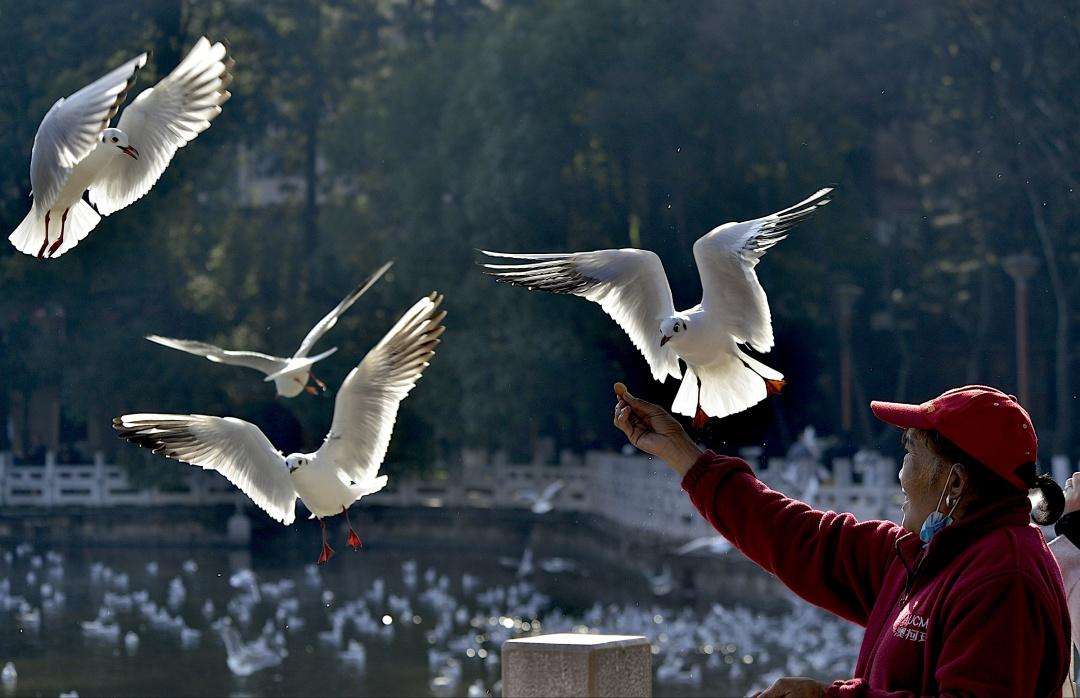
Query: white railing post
x=841, y=472
x=48, y=482
x=238, y=527
x=569, y=664
x=100, y=478
x=1059, y=468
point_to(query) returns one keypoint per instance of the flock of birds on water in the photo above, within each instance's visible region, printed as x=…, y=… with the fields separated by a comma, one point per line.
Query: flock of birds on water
x=77, y=154
x=462, y=621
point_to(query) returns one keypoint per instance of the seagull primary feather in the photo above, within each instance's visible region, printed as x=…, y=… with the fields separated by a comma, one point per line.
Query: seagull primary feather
x=346, y=466
x=290, y=375
x=75, y=151
x=632, y=287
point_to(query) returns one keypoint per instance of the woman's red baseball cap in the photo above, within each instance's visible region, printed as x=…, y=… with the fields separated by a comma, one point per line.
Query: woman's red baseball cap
x=983, y=422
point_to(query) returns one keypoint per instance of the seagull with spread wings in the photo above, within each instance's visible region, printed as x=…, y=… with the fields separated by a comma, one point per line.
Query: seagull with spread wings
x=75, y=151
x=543, y=502
x=346, y=466
x=290, y=375
x=632, y=287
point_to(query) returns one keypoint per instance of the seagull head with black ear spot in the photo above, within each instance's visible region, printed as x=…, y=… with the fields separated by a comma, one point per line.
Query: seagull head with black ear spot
x=117, y=138
x=295, y=462
x=673, y=328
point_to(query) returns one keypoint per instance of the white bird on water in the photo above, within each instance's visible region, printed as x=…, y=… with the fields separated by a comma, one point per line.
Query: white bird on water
x=346, y=466
x=290, y=375
x=75, y=152
x=632, y=287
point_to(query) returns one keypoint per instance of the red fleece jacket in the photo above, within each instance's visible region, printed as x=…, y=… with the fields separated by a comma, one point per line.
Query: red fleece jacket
x=980, y=611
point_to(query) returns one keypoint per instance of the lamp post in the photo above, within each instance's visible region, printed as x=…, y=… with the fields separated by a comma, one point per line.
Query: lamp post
x=1021, y=267
x=844, y=297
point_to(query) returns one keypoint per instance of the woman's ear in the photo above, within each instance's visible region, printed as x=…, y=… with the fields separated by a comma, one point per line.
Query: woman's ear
x=958, y=482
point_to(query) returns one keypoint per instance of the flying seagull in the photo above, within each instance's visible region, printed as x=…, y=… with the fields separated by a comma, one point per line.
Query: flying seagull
x=346, y=466
x=75, y=152
x=543, y=502
x=632, y=287
x=291, y=375
x=711, y=545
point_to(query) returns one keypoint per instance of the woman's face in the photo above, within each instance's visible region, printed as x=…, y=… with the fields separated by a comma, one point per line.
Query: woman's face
x=921, y=479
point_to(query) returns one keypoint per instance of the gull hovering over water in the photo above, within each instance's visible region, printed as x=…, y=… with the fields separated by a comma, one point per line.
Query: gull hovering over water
x=75, y=152
x=346, y=466
x=543, y=502
x=632, y=287
x=291, y=375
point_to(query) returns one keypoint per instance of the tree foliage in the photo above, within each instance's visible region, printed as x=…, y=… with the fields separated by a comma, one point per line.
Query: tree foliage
x=420, y=130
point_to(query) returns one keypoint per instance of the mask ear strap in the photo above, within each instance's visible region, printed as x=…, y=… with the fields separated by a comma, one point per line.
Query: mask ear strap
x=944, y=490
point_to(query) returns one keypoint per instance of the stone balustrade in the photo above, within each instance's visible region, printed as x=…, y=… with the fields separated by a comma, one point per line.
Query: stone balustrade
x=633, y=490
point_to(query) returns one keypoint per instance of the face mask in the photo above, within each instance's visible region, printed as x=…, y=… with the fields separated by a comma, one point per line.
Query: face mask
x=937, y=521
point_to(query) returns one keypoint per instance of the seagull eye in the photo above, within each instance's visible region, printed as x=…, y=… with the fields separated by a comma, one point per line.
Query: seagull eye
x=676, y=328
x=115, y=139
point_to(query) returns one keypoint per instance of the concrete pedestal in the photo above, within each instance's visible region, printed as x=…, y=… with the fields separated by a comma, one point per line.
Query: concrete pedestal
x=566, y=664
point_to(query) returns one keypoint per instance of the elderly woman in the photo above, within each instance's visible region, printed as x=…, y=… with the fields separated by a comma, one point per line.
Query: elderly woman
x=963, y=598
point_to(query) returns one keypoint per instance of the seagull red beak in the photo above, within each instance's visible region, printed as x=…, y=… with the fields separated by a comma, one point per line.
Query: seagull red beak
x=130, y=151
x=664, y=340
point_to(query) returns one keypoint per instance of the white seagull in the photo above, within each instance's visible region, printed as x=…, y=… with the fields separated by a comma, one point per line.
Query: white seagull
x=346, y=466
x=75, y=152
x=713, y=545
x=290, y=375
x=632, y=287
x=543, y=502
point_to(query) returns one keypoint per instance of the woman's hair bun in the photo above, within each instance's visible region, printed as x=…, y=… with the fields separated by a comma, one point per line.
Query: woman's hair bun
x=1048, y=507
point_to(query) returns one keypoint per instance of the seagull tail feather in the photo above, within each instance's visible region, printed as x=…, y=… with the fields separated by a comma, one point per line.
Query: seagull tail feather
x=729, y=386
x=82, y=218
x=28, y=236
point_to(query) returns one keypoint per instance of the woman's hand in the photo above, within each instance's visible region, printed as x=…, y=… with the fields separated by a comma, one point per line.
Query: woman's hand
x=793, y=687
x=1072, y=493
x=653, y=430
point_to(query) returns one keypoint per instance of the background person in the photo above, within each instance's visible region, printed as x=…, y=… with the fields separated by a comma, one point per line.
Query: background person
x=1066, y=549
x=963, y=598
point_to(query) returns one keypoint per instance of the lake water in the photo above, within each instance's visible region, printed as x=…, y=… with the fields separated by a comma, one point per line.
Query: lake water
x=430, y=623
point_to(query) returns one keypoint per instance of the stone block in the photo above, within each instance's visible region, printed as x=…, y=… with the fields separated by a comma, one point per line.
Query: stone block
x=570, y=664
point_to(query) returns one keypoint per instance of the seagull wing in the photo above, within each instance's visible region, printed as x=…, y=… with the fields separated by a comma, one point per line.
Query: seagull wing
x=726, y=257
x=323, y=326
x=235, y=448
x=72, y=128
x=529, y=496
x=629, y=284
x=367, y=403
x=249, y=359
x=160, y=120
x=551, y=490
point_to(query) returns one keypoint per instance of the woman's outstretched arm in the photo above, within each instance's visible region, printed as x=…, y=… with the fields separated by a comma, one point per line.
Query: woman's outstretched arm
x=829, y=559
